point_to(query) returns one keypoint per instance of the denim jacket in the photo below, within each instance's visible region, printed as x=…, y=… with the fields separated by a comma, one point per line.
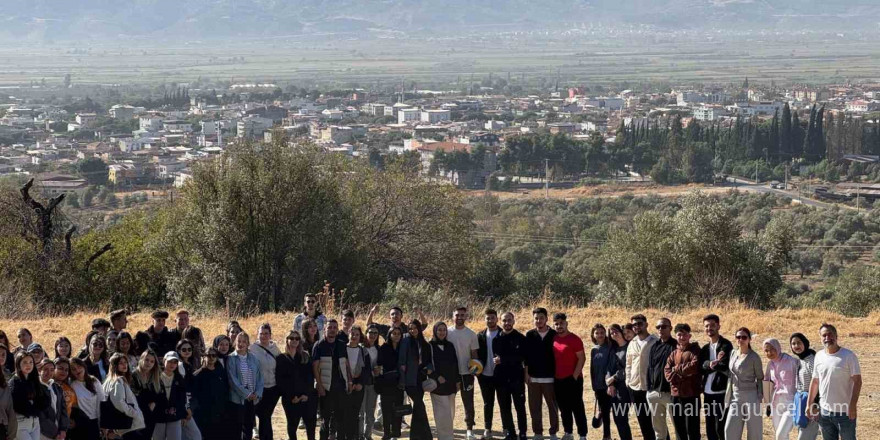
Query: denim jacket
x=237, y=393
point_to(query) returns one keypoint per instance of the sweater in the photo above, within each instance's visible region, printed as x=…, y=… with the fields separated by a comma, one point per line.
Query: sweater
x=599, y=360
x=746, y=375
x=617, y=370
x=638, y=353
x=509, y=347
x=445, y=366
x=660, y=352
x=682, y=371
x=29, y=397
x=267, y=361
x=539, y=354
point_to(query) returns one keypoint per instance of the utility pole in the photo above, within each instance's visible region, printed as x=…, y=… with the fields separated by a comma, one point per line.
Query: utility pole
x=756, y=173
x=546, y=178
x=785, y=184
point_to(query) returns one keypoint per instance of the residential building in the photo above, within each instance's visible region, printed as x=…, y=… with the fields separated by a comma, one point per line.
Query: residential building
x=150, y=123
x=252, y=126
x=58, y=184
x=120, y=111
x=436, y=116
x=177, y=126
x=86, y=120
x=405, y=115
x=709, y=113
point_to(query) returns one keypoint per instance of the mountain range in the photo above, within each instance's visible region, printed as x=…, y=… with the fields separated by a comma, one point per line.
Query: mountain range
x=54, y=20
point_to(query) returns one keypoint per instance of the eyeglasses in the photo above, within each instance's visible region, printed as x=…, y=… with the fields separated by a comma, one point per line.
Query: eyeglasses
x=661, y=327
x=742, y=337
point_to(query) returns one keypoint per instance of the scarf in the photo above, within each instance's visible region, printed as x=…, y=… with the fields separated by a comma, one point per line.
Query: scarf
x=807, y=350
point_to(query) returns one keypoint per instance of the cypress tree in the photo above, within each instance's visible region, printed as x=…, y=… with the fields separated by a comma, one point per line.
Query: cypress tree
x=773, y=141
x=785, y=133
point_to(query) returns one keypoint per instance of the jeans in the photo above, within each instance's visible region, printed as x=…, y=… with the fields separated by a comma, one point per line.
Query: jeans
x=190, y=430
x=620, y=411
x=306, y=411
x=244, y=419
x=367, y=415
x=515, y=393
x=264, y=409
x=604, y=402
x=28, y=428
x=714, y=409
x=810, y=432
x=467, y=399
x=488, y=391
x=837, y=426
x=168, y=431
x=349, y=415
x=390, y=399
x=330, y=406
x=643, y=413
x=570, y=398
x=686, y=417
x=537, y=392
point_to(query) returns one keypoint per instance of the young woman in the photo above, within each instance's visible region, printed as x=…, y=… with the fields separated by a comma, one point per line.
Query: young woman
x=25, y=339
x=125, y=347
x=145, y=386
x=63, y=348
x=170, y=411
x=415, y=365
x=118, y=390
x=89, y=395
x=6, y=373
x=296, y=380
x=29, y=397
x=194, y=335
x=311, y=310
x=448, y=381
x=358, y=361
x=309, y=334
x=800, y=346
x=246, y=386
x=97, y=360
x=615, y=380
x=8, y=360
x=744, y=390
x=233, y=328
x=266, y=351
x=780, y=377
x=8, y=422
x=54, y=420
x=387, y=384
x=223, y=345
x=62, y=379
x=600, y=356
x=368, y=409
x=189, y=363
x=209, y=396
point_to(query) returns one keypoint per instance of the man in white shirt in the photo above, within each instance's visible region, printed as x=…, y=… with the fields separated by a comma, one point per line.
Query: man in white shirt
x=837, y=379
x=637, y=360
x=488, y=388
x=466, y=348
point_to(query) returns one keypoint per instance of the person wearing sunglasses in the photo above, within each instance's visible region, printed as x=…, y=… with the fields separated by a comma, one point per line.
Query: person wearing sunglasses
x=296, y=381
x=311, y=310
x=210, y=393
x=637, y=360
x=659, y=392
x=744, y=390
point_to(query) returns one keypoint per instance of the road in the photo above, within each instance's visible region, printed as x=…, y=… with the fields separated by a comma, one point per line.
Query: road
x=750, y=185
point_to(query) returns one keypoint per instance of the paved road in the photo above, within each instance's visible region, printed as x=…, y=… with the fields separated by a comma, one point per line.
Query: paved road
x=749, y=185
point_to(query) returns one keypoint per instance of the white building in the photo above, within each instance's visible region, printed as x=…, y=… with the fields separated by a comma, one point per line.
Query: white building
x=86, y=120
x=495, y=125
x=408, y=115
x=332, y=114
x=150, y=123
x=708, y=113
x=120, y=111
x=252, y=126
x=374, y=109
x=862, y=106
x=436, y=116
x=758, y=108
x=177, y=126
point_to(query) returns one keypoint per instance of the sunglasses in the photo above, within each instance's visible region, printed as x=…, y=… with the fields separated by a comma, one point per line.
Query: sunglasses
x=310, y=301
x=294, y=339
x=186, y=350
x=661, y=327
x=742, y=337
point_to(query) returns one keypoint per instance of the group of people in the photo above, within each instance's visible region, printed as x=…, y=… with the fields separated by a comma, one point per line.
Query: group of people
x=351, y=380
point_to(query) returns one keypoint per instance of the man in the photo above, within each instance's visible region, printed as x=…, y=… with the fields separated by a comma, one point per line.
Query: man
x=311, y=309
x=466, y=348
x=486, y=356
x=333, y=379
x=682, y=371
x=510, y=376
x=119, y=320
x=540, y=371
x=156, y=336
x=182, y=323
x=101, y=325
x=715, y=369
x=347, y=324
x=396, y=317
x=569, y=359
x=837, y=379
x=638, y=355
x=659, y=392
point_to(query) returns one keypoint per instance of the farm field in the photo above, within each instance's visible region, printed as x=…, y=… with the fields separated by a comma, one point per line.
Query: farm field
x=858, y=334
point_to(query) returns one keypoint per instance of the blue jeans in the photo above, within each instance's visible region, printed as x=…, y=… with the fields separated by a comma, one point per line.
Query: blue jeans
x=837, y=426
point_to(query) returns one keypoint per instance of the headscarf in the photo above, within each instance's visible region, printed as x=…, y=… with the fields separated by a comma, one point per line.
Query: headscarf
x=439, y=342
x=807, y=350
x=773, y=342
x=216, y=344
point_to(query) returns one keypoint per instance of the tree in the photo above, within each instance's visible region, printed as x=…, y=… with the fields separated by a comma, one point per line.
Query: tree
x=785, y=134
x=94, y=170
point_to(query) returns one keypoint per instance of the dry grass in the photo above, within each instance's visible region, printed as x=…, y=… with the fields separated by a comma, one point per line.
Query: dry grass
x=858, y=334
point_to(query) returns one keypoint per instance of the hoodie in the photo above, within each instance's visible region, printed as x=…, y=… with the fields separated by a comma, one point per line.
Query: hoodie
x=683, y=371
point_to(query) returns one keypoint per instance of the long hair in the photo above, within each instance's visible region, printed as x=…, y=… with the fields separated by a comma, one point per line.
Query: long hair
x=746, y=331
x=19, y=358
x=598, y=326
x=421, y=334
x=152, y=376
x=195, y=360
x=4, y=339
x=114, y=373
x=306, y=337
x=69, y=345
x=88, y=379
x=303, y=354
x=2, y=361
x=124, y=335
x=104, y=355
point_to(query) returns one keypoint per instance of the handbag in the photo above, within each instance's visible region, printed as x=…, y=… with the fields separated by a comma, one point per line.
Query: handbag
x=799, y=409
x=429, y=385
x=597, y=421
x=112, y=418
x=403, y=410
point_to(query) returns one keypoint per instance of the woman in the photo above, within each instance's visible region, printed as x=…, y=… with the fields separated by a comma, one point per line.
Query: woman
x=7, y=373
x=29, y=397
x=118, y=390
x=600, y=355
x=800, y=346
x=189, y=363
x=170, y=411
x=615, y=380
x=194, y=335
x=63, y=348
x=223, y=345
x=89, y=395
x=209, y=396
x=310, y=334
x=62, y=379
x=445, y=362
x=25, y=339
x=311, y=310
x=233, y=328
x=8, y=422
x=266, y=351
x=97, y=359
x=54, y=420
x=414, y=363
x=368, y=409
x=781, y=379
x=145, y=386
x=246, y=386
x=387, y=384
x=296, y=381
x=744, y=390
x=125, y=347
x=8, y=361
x=358, y=361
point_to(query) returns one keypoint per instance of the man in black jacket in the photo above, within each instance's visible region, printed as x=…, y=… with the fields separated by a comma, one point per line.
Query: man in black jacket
x=540, y=372
x=510, y=376
x=486, y=354
x=714, y=366
x=659, y=393
x=156, y=336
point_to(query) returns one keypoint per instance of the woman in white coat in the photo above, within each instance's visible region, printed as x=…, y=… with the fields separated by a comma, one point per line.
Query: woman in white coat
x=118, y=392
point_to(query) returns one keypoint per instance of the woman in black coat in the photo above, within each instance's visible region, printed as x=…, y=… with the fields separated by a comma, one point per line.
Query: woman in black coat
x=29, y=397
x=170, y=411
x=448, y=379
x=209, y=395
x=387, y=384
x=615, y=379
x=294, y=374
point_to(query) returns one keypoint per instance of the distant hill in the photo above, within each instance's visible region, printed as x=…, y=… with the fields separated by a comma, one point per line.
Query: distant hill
x=203, y=19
